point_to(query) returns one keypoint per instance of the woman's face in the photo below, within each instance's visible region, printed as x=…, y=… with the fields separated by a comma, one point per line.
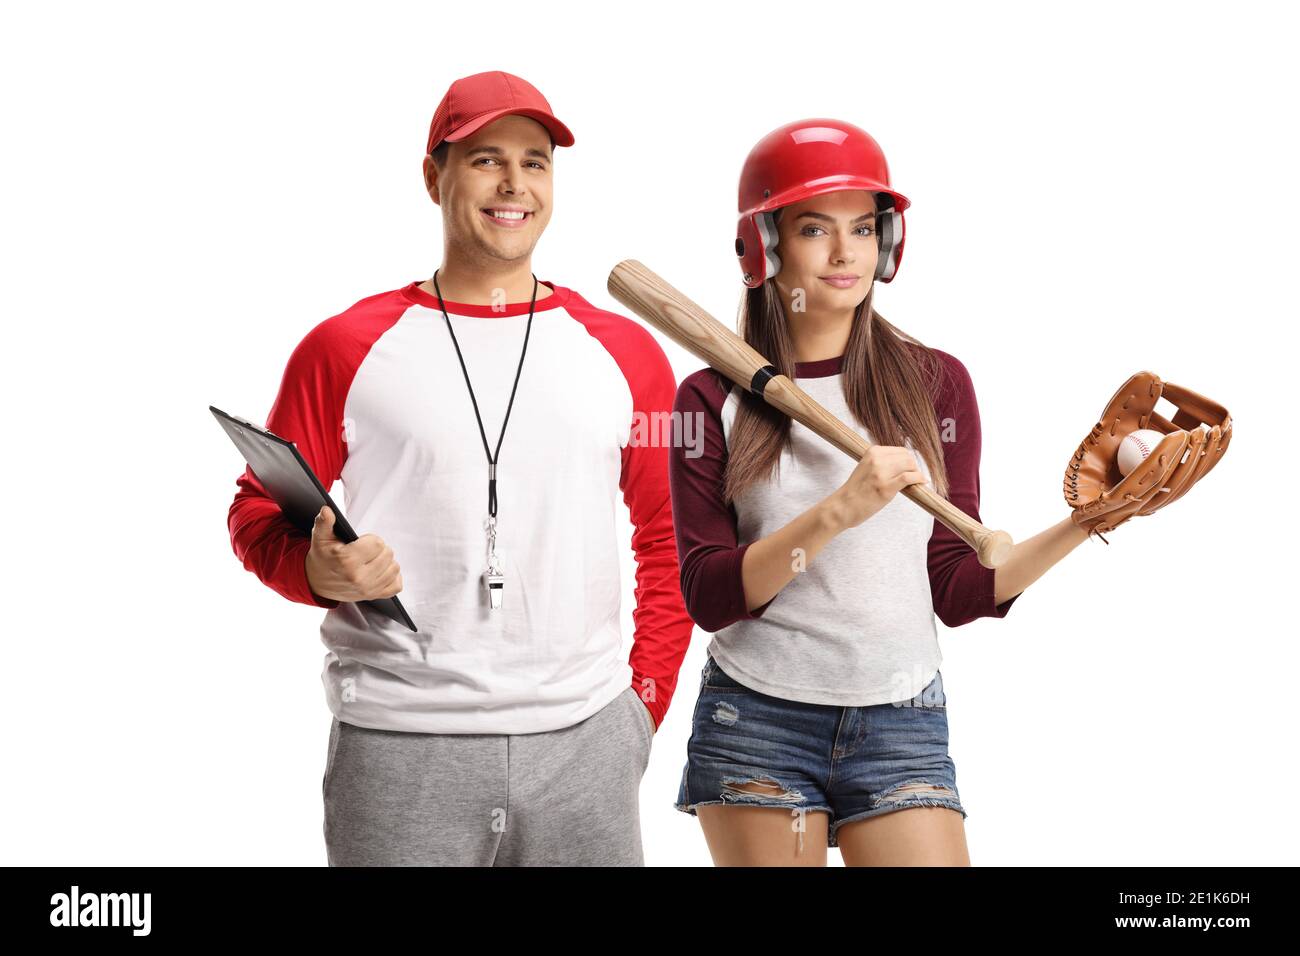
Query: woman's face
x=827, y=247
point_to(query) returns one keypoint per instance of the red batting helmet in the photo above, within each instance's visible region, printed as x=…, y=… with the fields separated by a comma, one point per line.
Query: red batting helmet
x=808, y=158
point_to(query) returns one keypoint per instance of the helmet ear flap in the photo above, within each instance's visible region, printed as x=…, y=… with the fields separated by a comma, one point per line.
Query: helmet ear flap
x=756, y=237
x=889, y=232
x=768, y=232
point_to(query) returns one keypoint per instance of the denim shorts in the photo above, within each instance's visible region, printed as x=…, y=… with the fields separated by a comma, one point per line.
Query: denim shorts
x=852, y=763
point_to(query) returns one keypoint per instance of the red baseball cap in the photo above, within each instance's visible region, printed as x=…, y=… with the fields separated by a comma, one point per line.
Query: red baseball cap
x=472, y=102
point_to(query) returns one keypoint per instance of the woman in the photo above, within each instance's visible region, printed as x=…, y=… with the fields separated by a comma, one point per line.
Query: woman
x=821, y=691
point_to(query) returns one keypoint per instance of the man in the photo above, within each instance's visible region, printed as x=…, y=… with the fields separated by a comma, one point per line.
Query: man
x=482, y=423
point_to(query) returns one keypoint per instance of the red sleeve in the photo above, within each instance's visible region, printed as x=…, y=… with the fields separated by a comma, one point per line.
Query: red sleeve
x=962, y=588
x=662, y=628
x=308, y=410
x=707, y=547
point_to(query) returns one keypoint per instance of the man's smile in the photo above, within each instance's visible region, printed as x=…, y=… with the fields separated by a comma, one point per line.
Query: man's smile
x=506, y=217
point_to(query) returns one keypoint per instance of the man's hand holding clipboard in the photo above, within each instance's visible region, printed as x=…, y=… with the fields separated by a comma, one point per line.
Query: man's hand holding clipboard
x=364, y=570
x=290, y=525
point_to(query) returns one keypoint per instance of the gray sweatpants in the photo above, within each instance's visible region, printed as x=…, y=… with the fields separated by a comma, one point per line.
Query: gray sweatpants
x=566, y=797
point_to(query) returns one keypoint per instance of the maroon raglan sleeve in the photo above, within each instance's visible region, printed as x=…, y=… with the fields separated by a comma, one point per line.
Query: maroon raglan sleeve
x=707, y=547
x=661, y=626
x=308, y=410
x=962, y=588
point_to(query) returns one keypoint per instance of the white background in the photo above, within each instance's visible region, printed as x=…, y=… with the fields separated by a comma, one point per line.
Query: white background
x=1096, y=190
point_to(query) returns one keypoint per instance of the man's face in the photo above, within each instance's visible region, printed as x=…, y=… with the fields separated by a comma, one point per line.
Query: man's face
x=827, y=247
x=495, y=188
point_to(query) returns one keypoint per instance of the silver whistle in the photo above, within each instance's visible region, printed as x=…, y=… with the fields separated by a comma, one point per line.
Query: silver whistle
x=493, y=580
x=495, y=584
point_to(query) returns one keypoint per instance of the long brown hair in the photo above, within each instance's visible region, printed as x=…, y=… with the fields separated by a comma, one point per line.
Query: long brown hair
x=889, y=379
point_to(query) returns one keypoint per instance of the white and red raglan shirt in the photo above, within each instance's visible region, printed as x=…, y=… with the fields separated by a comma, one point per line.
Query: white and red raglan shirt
x=855, y=628
x=375, y=397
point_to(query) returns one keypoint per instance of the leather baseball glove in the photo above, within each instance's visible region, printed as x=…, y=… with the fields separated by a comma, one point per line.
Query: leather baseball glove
x=1102, y=497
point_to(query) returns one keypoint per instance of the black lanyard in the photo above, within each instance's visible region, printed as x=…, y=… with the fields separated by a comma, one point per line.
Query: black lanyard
x=491, y=457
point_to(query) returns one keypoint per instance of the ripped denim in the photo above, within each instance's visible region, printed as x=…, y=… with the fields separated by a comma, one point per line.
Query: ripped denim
x=851, y=763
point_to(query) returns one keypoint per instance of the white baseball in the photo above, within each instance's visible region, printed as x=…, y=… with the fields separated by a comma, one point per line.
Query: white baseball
x=1135, y=447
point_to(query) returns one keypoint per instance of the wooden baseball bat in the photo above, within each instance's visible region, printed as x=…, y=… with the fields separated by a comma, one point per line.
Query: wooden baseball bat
x=677, y=317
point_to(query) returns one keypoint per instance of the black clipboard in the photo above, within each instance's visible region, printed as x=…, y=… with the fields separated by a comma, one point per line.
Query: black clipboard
x=287, y=478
